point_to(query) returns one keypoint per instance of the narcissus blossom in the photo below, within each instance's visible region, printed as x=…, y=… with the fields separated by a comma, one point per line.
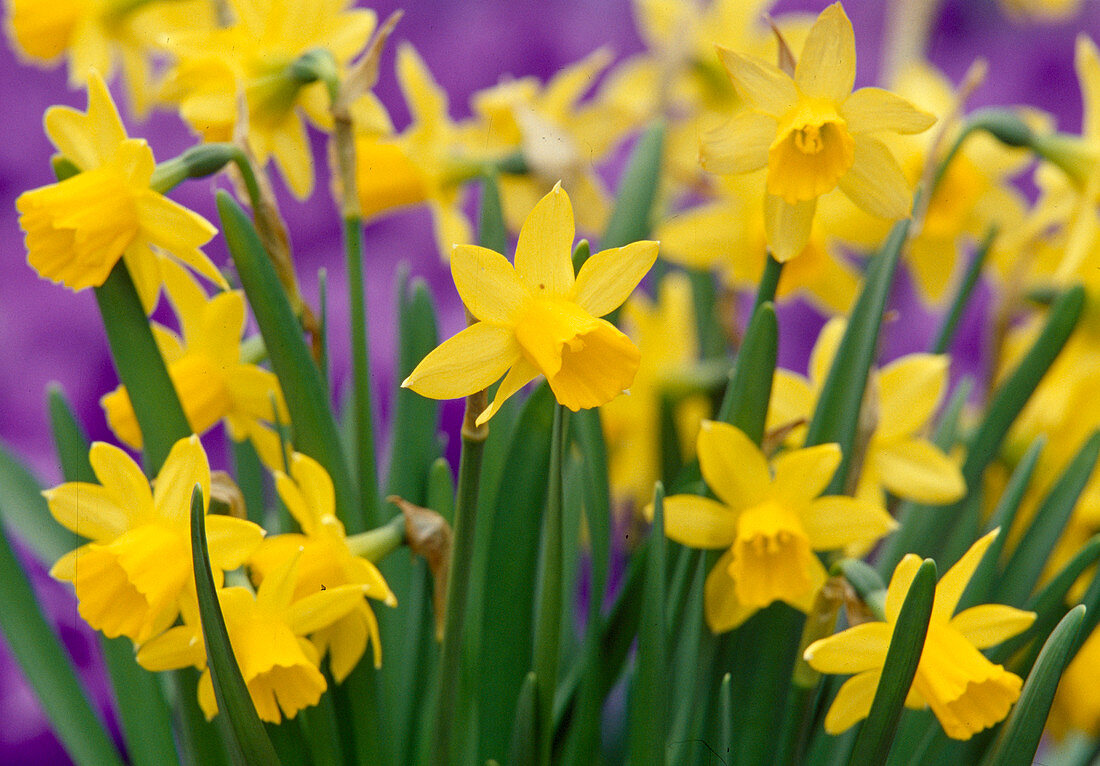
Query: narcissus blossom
x=79, y=228
x=814, y=134
x=770, y=525
x=131, y=577
x=539, y=318
x=966, y=691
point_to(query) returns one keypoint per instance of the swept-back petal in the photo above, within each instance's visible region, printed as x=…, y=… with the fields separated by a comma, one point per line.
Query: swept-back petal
x=698, y=522
x=739, y=146
x=732, y=465
x=898, y=589
x=609, y=277
x=802, y=474
x=89, y=510
x=1087, y=63
x=875, y=181
x=852, y=702
x=178, y=647
x=231, y=540
x=916, y=469
x=824, y=350
x=487, y=284
x=855, y=650
x=185, y=466
x=89, y=138
x=954, y=582
x=838, y=521
x=522, y=373
x=763, y=85
x=787, y=226
x=427, y=101
x=319, y=610
x=121, y=477
x=827, y=67
x=987, y=625
x=870, y=110
x=545, y=247
x=910, y=389
x=465, y=363
x=314, y=483
x=720, y=605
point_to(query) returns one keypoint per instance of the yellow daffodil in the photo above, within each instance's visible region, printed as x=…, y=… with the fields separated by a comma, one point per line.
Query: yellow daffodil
x=665, y=333
x=280, y=668
x=1043, y=10
x=212, y=380
x=966, y=691
x=97, y=34
x=905, y=395
x=769, y=525
x=326, y=560
x=131, y=577
x=422, y=165
x=77, y=230
x=814, y=134
x=1077, y=703
x=539, y=318
x=253, y=58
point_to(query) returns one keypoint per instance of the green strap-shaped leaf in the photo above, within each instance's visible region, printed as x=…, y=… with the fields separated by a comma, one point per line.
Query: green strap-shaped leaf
x=140, y=367
x=1030, y=557
x=28, y=515
x=836, y=416
x=524, y=749
x=252, y=747
x=588, y=434
x=492, y=232
x=315, y=432
x=47, y=666
x=648, y=715
x=1020, y=734
x=631, y=217
x=876, y=735
x=946, y=334
x=745, y=404
x=68, y=437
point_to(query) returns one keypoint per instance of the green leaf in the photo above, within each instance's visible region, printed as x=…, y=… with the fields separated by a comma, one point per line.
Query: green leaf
x=648, y=713
x=140, y=367
x=47, y=666
x=745, y=404
x=950, y=324
x=876, y=735
x=492, y=232
x=630, y=218
x=588, y=434
x=866, y=582
x=315, y=432
x=68, y=437
x=836, y=416
x=1020, y=734
x=524, y=749
x=26, y=512
x=249, y=739
x=726, y=709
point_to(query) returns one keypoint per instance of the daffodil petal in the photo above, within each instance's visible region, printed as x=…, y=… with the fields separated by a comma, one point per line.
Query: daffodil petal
x=732, y=465
x=178, y=647
x=185, y=466
x=954, y=581
x=231, y=540
x=898, y=588
x=870, y=110
x=427, y=101
x=545, y=247
x=319, y=610
x=987, y=625
x=1087, y=63
x=827, y=67
x=487, y=284
x=120, y=475
x=763, y=85
x=699, y=238
x=698, y=522
x=910, y=389
x=918, y=470
x=720, y=605
x=88, y=139
x=787, y=226
x=740, y=146
x=838, y=521
x=821, y=357
x=468, y=362
x=608, y=278
x=803, y=474
x=855, y=650
x=89, y=510
x=852, y=702
x=875, y=181
x=792, y=399
x=522, y=373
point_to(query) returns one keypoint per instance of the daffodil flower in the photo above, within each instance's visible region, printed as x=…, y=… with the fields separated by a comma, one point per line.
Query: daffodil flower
x=539, y=318
x=966, y=691
x=266, y=629
x=814, y=134
x=79, y=228
x=131, y=577
x=768, y=525
x=326, y=560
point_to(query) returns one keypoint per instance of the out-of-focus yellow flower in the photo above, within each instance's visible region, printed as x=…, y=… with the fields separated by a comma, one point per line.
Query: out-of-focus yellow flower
x=814, y=134
x=209, y=375
x=1043, y=10
x=966, y=691
x=539, y=318
x=1077, y=703
x=254, y=57
x=560, y=138
x=131, y=577
x=77, y=230
x=97, y=34
x=769, y=525
x=666, y=336
x=326, y=560
x=279, y=666
x=905, y=394
x=425, y=164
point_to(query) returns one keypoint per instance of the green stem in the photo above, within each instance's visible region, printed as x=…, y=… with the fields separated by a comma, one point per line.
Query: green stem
x=458, y=576
x=548, y=629
x=950, y=324
x=378, y=543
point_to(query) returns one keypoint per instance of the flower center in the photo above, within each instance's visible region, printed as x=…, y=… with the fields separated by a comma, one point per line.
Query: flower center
x=812, y=151
x=770, y=556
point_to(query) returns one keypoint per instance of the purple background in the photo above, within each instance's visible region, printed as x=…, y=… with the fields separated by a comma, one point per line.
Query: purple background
x=48, y=334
